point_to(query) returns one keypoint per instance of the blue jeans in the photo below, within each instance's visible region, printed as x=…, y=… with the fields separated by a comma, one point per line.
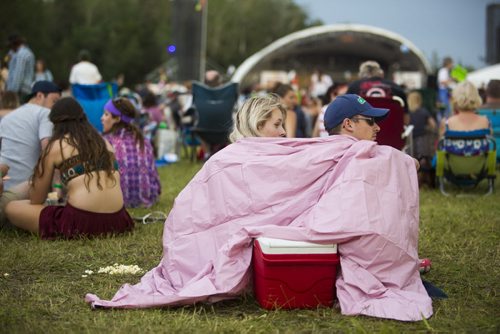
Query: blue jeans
x=443, y=98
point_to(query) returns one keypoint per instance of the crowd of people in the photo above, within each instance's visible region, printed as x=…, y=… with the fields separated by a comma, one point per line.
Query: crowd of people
x=49, y=149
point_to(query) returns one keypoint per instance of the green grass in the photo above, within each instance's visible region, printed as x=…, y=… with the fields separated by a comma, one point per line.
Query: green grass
x=44, y=290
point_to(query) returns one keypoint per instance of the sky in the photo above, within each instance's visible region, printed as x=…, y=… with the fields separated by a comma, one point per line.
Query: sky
x=455, y=28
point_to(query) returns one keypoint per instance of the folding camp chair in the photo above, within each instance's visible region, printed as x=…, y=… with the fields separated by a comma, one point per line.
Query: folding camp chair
x=392, y=128
x=93, y=98
x=466, y=171
x=214, y=114
x=494, y=116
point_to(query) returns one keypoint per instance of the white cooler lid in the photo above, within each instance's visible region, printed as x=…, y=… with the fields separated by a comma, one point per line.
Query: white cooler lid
x=282, y=246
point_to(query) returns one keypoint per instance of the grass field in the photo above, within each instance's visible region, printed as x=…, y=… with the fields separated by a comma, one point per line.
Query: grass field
x=42, y=285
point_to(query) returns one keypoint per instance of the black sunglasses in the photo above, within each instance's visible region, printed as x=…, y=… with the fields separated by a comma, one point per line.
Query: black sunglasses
x=370, y=121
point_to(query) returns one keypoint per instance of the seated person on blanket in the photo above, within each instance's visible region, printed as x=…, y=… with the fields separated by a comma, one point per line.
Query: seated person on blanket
x=260, y=116
x=351, y=115
x=336, y=189
x=88, y=170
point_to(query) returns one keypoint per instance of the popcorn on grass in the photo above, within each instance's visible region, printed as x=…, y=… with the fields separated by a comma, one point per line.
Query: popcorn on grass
x=116, y=269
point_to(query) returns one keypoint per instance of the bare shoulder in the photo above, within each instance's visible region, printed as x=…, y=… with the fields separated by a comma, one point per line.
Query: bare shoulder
x=55, y=151
x=61, y=150
x=484, y=121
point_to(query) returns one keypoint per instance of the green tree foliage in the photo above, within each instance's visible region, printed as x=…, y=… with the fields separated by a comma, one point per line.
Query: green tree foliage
x=237, y=29
x=130, y=36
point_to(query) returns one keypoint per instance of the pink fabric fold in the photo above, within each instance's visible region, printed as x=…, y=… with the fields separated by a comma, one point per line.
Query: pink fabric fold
x=358, y=194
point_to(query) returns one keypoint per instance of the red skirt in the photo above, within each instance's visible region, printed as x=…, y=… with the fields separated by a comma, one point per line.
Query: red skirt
x=70, y=222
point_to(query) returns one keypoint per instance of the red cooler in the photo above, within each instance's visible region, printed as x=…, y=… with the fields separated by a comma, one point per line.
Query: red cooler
x=294, y=274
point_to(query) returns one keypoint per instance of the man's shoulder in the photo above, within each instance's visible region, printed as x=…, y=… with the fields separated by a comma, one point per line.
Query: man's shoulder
x=86, y=65
x=15, y=113
x=27, y=111
x=31, y=107
x=443, y=70
x=490, y=105
x=26, y=51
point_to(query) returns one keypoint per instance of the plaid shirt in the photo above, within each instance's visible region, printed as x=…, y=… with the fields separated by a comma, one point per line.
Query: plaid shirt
x=139, y=178
x=21, y=70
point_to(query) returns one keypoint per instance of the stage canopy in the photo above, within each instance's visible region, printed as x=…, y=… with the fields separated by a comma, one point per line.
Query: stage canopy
x=481, y=77
x=337, y=50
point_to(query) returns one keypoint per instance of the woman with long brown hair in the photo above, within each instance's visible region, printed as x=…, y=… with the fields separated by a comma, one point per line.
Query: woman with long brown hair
x=140, y=182
x=88, y=171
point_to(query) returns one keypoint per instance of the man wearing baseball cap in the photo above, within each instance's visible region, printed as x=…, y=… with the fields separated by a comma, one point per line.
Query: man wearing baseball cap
x=351, y=115
x=23, y=134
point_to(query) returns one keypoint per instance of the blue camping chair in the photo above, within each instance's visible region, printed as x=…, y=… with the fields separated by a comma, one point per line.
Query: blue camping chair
x=494, y=116
x=93, y=98
x=214, y=114
x=465, y=161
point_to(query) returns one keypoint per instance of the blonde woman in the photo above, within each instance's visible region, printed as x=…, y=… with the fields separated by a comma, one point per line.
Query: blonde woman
x=260, y=116
x=465, y=121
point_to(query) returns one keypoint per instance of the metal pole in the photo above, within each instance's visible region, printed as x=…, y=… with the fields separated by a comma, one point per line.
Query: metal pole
x=203, y=44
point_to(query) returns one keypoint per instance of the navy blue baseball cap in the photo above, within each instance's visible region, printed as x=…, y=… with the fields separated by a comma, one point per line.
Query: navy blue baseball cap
x=348, y=106
x=43, y=86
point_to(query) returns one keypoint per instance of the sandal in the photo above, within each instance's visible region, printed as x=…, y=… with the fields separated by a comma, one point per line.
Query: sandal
x=152, y=217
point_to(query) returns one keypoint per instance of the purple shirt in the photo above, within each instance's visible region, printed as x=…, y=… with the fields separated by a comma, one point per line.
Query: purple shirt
x=138, y=175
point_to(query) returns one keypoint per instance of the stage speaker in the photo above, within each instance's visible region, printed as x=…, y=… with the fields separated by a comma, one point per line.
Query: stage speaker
x=187, y=37
x=493, y=34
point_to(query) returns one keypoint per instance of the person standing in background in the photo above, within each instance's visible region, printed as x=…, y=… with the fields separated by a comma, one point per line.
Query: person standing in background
x=320, y=82
x=337, y=89
x=84, y=72
x=41, y=71
x=21, y=67
x=445, y=84
x=295, y=123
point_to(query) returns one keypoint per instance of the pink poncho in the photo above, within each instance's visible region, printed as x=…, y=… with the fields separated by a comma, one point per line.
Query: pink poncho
x=337, y=189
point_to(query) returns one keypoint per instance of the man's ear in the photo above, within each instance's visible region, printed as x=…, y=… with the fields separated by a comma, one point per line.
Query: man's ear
x=347, y=124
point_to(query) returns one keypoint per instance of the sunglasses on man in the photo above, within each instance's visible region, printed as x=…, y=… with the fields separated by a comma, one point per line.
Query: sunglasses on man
x=369, y=120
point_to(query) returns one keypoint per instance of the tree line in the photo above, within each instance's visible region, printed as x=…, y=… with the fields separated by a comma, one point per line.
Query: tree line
x=130, y=37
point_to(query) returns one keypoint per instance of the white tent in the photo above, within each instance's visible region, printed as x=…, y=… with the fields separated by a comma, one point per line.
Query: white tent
x=481, y=77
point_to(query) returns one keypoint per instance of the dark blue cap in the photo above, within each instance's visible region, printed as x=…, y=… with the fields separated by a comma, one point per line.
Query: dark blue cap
x=45, y=87
x=348, y=106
